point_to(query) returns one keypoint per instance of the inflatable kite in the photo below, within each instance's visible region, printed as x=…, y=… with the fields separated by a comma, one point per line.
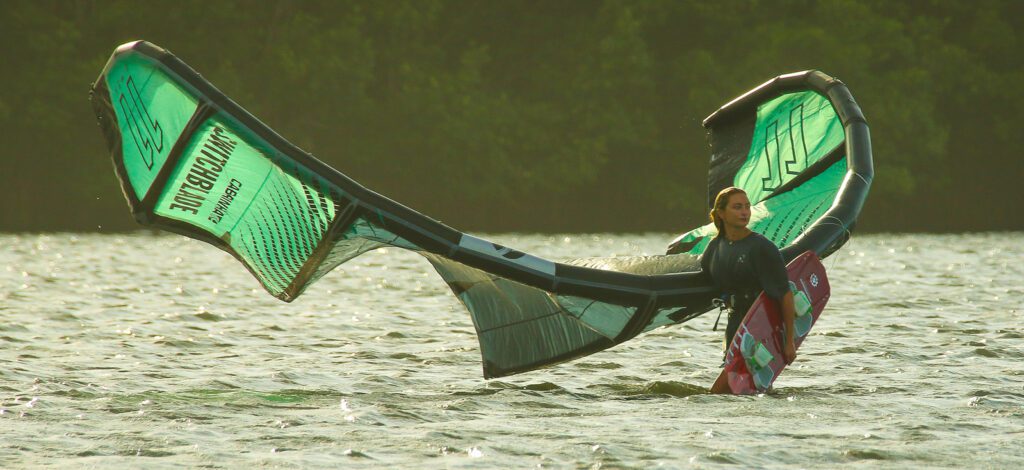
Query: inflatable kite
x=192, y=161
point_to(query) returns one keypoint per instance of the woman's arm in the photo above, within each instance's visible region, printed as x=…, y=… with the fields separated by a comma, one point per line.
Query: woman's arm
x=788, y=317
x=771, y=271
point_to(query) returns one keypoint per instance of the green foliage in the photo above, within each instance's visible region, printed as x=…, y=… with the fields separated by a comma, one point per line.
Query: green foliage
x=567, y=115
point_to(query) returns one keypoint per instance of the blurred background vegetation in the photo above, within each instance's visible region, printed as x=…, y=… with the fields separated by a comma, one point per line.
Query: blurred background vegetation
x=536, y=115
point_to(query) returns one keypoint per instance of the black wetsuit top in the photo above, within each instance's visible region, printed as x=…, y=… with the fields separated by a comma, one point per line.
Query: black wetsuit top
x=741, y=270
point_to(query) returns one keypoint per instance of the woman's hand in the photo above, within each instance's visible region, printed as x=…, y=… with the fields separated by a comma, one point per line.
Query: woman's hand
x=789, y=351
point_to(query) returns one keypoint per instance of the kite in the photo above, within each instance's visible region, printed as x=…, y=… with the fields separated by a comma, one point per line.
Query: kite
x=192, y=161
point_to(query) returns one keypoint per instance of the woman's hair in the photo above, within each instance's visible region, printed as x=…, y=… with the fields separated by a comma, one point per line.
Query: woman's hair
x=722, y=200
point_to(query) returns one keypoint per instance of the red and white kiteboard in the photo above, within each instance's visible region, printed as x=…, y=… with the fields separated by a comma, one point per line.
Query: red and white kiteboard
x=755, y=359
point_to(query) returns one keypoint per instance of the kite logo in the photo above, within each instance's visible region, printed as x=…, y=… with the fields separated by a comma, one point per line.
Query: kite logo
x=814, y=280
x=146, y=132
x=507, y=253
x=795, y=151
x=771, y=135
x=222, y=204
x=204, y=172
x=792, y=141
x=494, y=250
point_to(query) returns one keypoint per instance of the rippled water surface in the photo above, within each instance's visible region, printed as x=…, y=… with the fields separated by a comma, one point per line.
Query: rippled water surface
x=156, y=351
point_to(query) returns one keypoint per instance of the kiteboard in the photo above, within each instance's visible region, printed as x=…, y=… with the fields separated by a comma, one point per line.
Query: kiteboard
x=755, y=357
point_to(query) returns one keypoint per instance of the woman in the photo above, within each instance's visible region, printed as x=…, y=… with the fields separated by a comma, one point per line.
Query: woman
x=742, y=263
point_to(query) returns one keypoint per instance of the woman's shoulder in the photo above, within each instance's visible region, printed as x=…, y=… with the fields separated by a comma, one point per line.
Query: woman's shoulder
x=708, y=250
x=763, y=242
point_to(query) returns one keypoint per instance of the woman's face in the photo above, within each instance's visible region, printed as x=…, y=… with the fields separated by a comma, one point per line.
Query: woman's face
x=737, y=211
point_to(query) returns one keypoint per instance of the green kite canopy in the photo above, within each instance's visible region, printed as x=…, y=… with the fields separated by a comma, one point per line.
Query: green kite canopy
x=192, y=161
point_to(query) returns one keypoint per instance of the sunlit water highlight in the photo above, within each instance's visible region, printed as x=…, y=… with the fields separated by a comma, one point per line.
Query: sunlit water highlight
x=156, y=351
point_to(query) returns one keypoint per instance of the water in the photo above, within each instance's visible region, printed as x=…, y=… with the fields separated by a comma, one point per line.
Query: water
x=156, y=351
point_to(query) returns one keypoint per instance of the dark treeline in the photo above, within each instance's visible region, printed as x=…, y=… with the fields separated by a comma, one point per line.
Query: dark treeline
x=532, y=115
